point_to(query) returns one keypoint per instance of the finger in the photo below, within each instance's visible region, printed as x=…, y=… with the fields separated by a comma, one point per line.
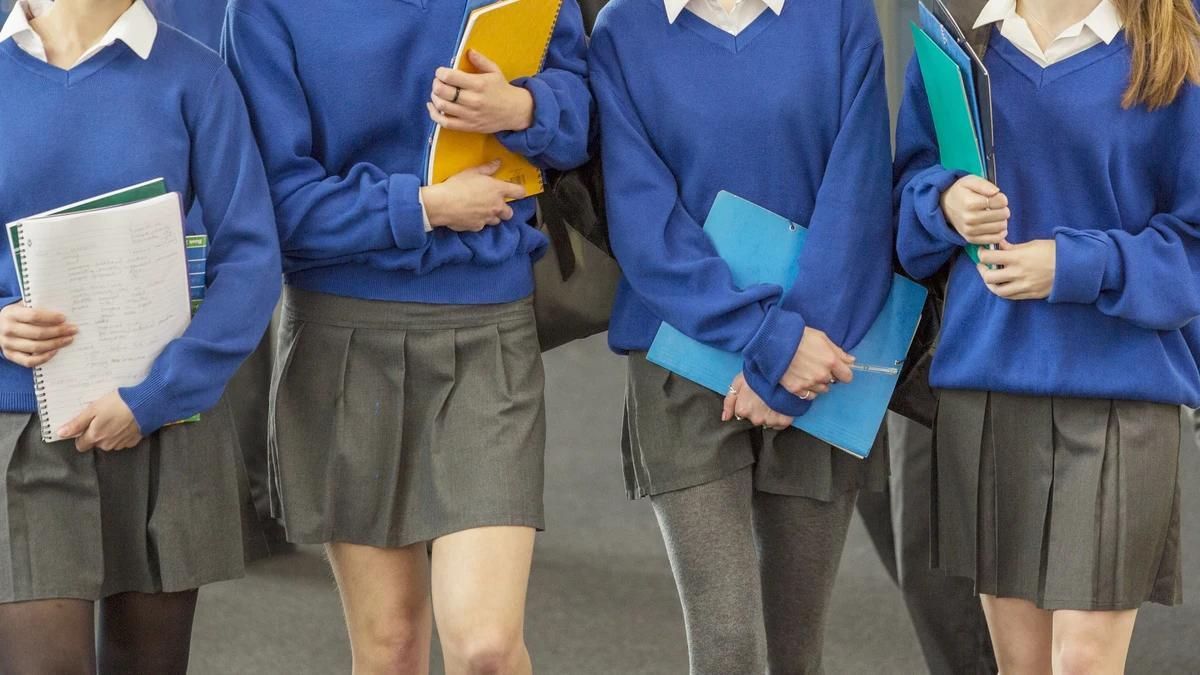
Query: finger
x=492, y=221
x=485, y=169
x=79, y=425
x=446, y=121
x=997, y=275
x=512, y=191
x=457, y=78
x=482, y=63
x=989, y=256
x=88, y=439
x=818, y=387
x=506, y=213
x=454, y=94
x=1005, y=246
x=842, y=372
x=729, y=404
x=1006, y=291
x=37, y=347
x=33, y=331
x=742, y=409
x=41, y=317
x=31, y=361
x=991, y=220
x=450, y=109
x=998, y=201
x=979, y=186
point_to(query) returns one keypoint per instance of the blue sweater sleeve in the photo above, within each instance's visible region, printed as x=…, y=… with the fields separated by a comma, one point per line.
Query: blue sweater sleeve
x=320, y=216
x=664, y=253
x=243, y=273
x=562, y=103
x=925, y=242
x=1148, y=276
x=846, y=265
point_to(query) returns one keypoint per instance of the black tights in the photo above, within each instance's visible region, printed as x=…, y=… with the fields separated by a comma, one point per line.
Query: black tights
x=139, y=634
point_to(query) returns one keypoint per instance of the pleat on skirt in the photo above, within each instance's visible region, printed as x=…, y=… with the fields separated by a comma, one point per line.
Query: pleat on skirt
x=171, y=514
x=395, y=423
x=1067, y=503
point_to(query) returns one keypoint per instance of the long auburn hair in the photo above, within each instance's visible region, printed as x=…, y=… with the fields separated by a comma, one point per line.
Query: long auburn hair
x=1165, y=38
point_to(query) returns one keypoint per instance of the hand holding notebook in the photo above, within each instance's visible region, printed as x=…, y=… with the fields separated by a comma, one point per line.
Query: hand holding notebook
x=513, y=36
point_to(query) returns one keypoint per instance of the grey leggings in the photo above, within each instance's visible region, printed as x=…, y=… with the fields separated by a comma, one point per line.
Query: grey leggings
x=755, y=572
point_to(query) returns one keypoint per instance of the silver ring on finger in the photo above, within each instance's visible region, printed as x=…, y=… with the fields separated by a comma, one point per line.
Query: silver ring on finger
x=739, y=418
x=806, y=395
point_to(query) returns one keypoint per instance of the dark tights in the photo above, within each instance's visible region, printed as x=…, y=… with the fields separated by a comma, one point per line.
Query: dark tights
x=139, y=634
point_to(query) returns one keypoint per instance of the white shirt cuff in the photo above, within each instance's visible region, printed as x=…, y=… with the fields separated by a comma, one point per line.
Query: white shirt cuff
x=424, y=213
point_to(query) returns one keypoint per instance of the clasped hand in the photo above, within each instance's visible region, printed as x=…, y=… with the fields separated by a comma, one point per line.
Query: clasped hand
x=817, y=364
x=979, y=211
x=482, y=103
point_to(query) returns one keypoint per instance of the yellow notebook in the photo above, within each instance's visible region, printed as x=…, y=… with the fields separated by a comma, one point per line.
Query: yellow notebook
x=515, y=34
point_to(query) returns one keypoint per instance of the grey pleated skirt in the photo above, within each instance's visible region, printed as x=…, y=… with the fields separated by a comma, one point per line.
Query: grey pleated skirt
x=674, y=439
x=1067, y=503
x=171, y=514
x=395, y=423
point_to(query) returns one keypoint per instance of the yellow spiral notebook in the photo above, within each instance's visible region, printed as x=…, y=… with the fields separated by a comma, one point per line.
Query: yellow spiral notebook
x=515, y=34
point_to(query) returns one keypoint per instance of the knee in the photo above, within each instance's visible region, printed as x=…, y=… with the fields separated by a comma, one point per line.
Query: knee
x=396, y=646
x=1079, y=657
x=487, y=652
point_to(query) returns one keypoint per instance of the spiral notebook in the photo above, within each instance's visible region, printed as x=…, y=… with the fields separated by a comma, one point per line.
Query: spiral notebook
x=515, y=34
x=121, y=274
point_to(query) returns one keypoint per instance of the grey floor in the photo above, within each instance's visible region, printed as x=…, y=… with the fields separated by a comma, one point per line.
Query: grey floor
x=601, y=598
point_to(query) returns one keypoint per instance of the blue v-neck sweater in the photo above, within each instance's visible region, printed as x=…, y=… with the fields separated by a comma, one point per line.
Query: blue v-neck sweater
x=117, y=120
x=1117, y=190
x=337, y=94
x=790, y=114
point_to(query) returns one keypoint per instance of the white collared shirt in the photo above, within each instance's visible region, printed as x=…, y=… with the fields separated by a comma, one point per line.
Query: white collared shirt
x=744, y=12
x=137, y=28
x=1102, y=25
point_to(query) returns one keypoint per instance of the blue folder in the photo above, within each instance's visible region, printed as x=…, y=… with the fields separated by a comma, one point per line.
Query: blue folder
x=762, y=247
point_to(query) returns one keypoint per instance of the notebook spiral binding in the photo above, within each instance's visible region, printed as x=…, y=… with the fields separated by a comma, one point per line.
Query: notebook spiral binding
x=39, y=381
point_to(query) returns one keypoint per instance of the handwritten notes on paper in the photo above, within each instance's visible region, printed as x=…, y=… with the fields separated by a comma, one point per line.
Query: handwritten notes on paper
x=120, y=275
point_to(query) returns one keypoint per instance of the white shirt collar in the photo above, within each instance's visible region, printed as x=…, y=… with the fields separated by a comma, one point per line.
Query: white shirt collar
x=1105, y=21
x=137, y=28
x=676, y=7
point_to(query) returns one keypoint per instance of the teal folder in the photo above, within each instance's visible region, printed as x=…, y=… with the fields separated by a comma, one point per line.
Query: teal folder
x=959, y=145
x=762, y=247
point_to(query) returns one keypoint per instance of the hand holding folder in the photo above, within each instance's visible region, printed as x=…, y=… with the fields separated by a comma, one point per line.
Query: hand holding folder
x=960, y=95
x=849, y=416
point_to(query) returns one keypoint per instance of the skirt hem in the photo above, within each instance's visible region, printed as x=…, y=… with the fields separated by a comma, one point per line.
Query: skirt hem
x=535, y=522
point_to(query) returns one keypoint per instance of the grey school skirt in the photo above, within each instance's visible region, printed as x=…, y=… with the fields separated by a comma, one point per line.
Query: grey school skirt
x=674, y=439
x=171, y=514
x=1067, y=503
x=395, y=423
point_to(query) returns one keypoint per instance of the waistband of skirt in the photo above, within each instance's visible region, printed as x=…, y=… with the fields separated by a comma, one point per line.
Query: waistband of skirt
x=337, y=310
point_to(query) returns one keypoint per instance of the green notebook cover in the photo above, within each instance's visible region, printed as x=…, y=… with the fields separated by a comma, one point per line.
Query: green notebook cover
x=958, y=144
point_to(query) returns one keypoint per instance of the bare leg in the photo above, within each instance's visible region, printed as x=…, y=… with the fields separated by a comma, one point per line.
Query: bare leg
x=1021, y=635
x=385, y=595
x=28, y=629
x=146, y=634
x=480, y=580
x=1092, y=643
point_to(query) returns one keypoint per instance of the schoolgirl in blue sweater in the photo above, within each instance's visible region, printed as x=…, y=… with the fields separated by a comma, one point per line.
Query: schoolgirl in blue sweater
x=1064, y=358
x=408, y=398
x=132, y=516
x=782, y=103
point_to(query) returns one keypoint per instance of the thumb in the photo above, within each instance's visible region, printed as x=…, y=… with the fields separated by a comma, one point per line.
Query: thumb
x=78, y=425
x=482, y=63
x=980, y=186
x=1005, y=246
